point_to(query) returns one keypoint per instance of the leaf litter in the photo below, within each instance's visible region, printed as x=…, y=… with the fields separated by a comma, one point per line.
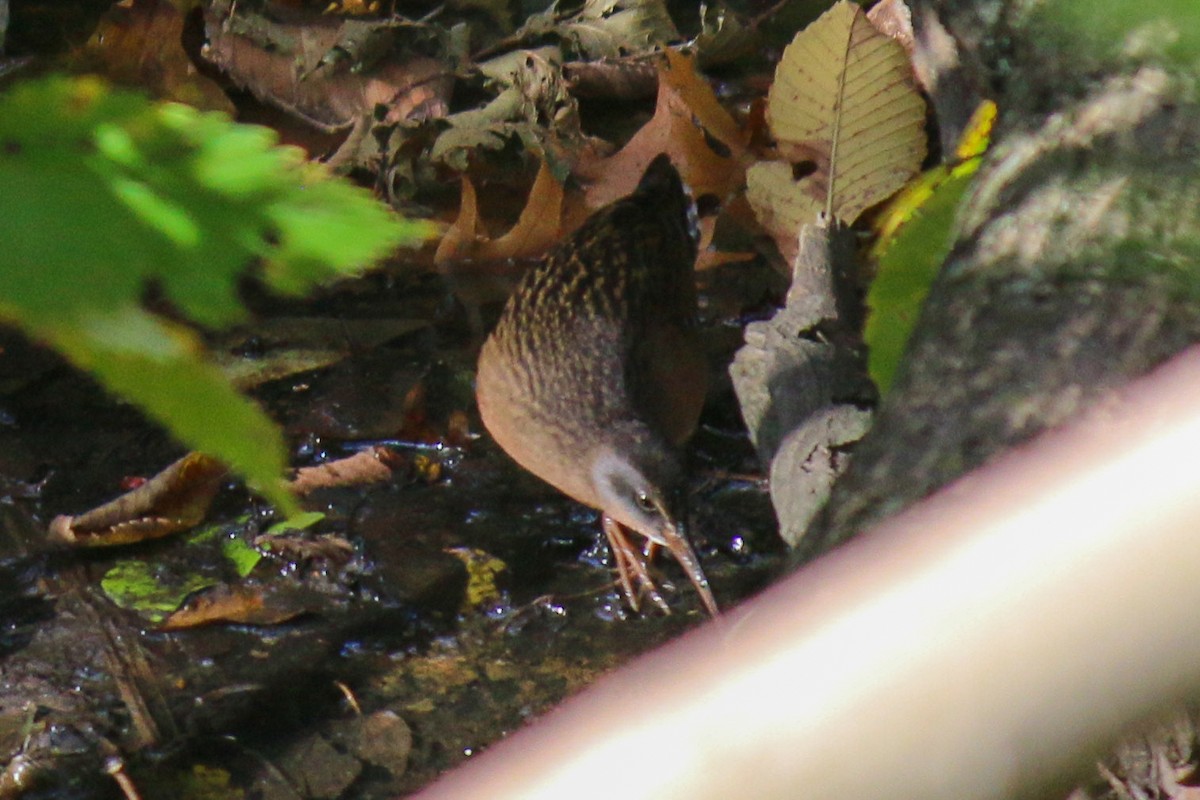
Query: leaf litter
x=534, y=117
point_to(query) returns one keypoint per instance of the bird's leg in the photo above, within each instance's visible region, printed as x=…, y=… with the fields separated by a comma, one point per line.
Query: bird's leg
x=630, y=564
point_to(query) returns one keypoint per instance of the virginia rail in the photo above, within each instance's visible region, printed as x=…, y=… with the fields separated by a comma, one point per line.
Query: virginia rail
x=593, y=378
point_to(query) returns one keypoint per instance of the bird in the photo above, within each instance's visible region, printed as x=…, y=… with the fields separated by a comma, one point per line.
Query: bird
x=594, y=377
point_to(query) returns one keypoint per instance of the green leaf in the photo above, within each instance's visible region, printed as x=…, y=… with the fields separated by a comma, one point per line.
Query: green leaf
x=243, y=556
x=107, y=193
x=297, y=522
x=149, y=588
x=161, y=367
x=906, y=271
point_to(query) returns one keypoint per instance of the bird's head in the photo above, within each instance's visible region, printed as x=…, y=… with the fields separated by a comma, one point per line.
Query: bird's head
x=639, y=481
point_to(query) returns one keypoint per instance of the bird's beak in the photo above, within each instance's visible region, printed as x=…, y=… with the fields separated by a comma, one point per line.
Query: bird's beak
x=674, y=537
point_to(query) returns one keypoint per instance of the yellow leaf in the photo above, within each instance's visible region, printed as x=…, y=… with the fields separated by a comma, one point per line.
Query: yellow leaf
x=978, y=135
x=779, y=206
x=908, y=202
x=844, y=100
x=483, y=576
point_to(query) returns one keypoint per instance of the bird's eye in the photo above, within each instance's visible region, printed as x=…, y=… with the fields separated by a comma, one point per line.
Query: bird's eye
x=645, y=503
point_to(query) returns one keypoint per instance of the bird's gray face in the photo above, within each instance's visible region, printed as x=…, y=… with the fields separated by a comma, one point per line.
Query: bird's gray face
x=639, y=482
x=641, y=487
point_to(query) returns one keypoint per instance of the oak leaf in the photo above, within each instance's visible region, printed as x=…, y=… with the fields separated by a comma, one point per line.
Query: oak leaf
x=539, y=226
x=689, y=124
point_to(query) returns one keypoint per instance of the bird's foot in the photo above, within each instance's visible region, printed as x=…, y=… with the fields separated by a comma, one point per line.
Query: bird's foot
x=632, y=566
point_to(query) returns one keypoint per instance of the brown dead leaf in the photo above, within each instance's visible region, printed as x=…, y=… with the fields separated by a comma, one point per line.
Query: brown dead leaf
x=613, y=79
x=241, y=604
x=537, y=229
x=690, y=125
x=539, y=225
x=140, y=43
x=727, y=36
x=173, y=500
x=219, y=604
x=416, y=425
x=353, y=7
x=290, y=66
x=601, y=28
x=458, y=429
x=894, y=18
x=534, y=108
x=462, y=238
x=327, y=547
x=374, y=465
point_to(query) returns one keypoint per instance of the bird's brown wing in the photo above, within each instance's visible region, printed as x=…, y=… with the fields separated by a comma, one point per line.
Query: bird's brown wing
x=668, y=379
x=667, y=373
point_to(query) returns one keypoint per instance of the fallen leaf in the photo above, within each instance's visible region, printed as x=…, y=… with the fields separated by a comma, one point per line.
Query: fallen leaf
x=483, y=573
x=844, y=100
x=604, y=28
x=612, y=28
x=242, y=604
x=458, y=429
x=173, y=500
x=613, y=79
x=142, y=586
x=373, y=465
x=353, y=7
x=140, y=43
x=427, y=469
x=281, y=347
x=330, y=73
x=536, y=230
x=297, y=522
x=725, y=36
x=847, y=116
x=894, y=18
x=690, y=125
x=328, y=547
x=539, y=225
x=781, y=208
x=534, y=108
x=463, y=236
